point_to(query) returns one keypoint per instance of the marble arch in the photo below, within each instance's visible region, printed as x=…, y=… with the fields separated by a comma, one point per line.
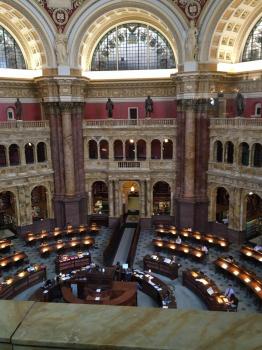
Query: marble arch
x=225, y=30
x=33, y=31
x=96, y=19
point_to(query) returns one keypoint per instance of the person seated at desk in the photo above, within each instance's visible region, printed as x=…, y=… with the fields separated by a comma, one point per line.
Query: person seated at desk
x=230, y=258
x=204, y=249
x=233, y=301
x=173, y=260
x=229, y=291
x=258, y=248
x=178, y=240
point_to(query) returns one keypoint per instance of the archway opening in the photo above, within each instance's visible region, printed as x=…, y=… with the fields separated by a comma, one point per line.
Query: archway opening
x=104, y=150
x=253, y=215
x=141, y=150
x=130, y=149
x=100, y=198
x=257, y=155
x=229, y=152
x=29, y=153
x=14, y=155
x=3, y=161
x=167, y=149
x=41, y=152
x=155, y=149
x=130, y=195
x=222, y=205
x=8, y=217
x=244, y=153
x=118, y=150
x=93, y=151
x=39, y=203
x=218, y=151
x=161, y=198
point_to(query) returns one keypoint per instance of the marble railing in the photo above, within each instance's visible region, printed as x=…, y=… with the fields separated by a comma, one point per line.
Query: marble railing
x=18, y=124
x=55, y=326
x=124, y=123
x=236, y=169
x=242, y=123
x=25, y=170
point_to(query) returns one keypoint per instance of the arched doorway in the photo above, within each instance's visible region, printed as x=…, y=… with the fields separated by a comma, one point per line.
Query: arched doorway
x=253, y=215
x=222, y=205
x=100, y=198
x=39, y=203
x=161, y=198
x=130, y=195
x=8, y=217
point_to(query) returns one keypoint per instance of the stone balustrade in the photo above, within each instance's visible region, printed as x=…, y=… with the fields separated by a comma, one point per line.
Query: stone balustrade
x=32, y=325
x=243, y=123
x=126, y=123
x=19, y=124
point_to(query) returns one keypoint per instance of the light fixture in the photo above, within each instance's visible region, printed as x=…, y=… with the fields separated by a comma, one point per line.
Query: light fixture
x=131, y=141
x=250, y=193
x=166, y=140
x=132, y=188
x=30, y=144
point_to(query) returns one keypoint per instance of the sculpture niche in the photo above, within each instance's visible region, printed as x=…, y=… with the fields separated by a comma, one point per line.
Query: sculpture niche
x=191, y=45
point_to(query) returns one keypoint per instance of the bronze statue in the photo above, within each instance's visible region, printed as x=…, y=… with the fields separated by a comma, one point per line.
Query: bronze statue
x=240, y=104
x=109, y=108
x=18, y=109
x=148, y=106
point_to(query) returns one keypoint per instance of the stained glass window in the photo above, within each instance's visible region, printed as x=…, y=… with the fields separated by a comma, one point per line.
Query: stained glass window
x=253, y=47
x=133, y=46
x=10, y=53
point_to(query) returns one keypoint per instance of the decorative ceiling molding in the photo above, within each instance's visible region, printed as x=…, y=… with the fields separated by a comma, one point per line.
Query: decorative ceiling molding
x=60, y=10
x=191, y=8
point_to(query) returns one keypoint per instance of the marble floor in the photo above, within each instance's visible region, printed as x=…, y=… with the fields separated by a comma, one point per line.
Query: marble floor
x=184, y=297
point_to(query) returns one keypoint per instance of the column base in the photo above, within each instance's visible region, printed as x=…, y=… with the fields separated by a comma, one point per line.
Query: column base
x=191, y=213
x=70, y=210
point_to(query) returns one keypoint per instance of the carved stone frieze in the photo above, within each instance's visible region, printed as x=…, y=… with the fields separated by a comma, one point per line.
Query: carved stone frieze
x=17, y=89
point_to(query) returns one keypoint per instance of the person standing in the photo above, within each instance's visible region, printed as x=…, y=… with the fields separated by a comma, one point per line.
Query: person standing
x=148, y=106
x=109, y=108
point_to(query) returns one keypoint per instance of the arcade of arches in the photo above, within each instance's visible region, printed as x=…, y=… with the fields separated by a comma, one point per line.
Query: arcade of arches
x=194, y=159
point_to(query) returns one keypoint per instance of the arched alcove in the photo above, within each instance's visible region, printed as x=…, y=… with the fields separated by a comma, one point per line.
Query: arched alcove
x=222, y=205
x=8, y=215
x=155, y=149
x=39, y=203
x=161, y=198
x=118, y=150
x=100, y=198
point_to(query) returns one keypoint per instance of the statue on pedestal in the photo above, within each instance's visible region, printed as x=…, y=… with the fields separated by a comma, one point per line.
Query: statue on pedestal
x=61, y=49
x=239, y=104
x=18, y=109
x=148, y=106
x=191, y=46
x=109, y=108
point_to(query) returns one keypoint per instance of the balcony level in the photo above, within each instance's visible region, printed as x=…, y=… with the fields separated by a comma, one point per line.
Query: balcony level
x=127, y=123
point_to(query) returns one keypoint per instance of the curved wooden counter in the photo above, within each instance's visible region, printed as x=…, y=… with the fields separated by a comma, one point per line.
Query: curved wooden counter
x=246, y=277
x=183, y=249
x=251, y=253
x=206, y=289
x=10, y=260
x=65, y=245
x=21, y=281
x=156, y=289
x=161, y=265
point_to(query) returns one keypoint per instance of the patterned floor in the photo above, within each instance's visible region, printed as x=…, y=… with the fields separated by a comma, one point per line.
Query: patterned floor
x=247, y=302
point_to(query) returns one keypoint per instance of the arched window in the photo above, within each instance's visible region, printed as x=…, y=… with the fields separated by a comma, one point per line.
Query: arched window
x=92, y=149
x=14, y=155
x=141, y=150
x=10, y=53
x=244, y=151
x=229, y=152
x=3, y=156
x=104, y=151
x=118, y=150
x=167, y=149
x=10, y=113
x=155, y=149
x=29, y=153
x=218, y=151
x=41, y=152
x=253, y=47
x=258, y=110
x=257, y=155
x=132, y=46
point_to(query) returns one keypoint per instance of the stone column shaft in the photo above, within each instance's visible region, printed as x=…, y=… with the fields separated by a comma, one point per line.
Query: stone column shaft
x=189, y=154
x=142, y=198
x=111, y=198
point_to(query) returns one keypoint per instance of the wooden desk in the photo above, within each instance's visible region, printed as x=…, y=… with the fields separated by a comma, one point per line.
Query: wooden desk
x=47, y=248
x=250, y=253
x=21, y=281
x=183, y=249
x=5, y=244
x=161, y=265
x=155, y=288
x=71, y=262
x=209, y=239
x=10, y=260
x=206, y=289
x=248, y=278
